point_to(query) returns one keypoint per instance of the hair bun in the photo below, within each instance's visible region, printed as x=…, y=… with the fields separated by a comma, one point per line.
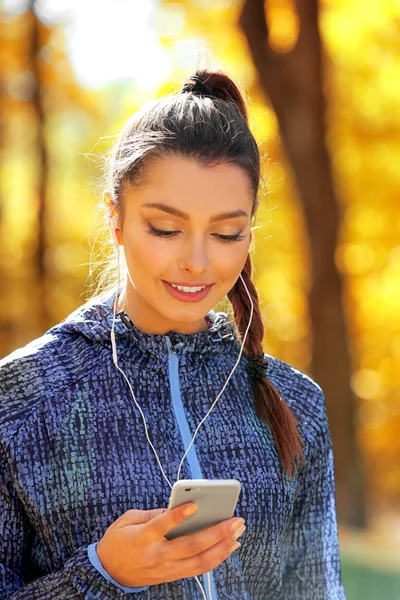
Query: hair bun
x=200, y=86
x=216, y=84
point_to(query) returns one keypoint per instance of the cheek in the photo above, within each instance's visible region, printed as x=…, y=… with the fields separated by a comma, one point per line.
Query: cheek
x=230, y=261
x=147, y=254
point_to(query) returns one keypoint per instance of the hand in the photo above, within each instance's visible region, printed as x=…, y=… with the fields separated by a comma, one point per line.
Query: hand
x=135, y=552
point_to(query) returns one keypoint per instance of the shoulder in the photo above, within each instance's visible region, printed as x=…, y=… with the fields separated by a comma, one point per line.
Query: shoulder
x=303, y=395
x=41, y=367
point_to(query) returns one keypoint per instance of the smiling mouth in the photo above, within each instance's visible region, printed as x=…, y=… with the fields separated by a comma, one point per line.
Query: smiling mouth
x=188, y=288
x=187, y=293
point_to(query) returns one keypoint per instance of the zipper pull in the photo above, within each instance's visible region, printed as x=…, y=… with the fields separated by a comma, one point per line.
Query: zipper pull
x=170, y=347
x=177, y=347
x=174, y=349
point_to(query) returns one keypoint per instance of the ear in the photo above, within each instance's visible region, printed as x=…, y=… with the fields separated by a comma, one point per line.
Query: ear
x=113, y=217
x=108, y=199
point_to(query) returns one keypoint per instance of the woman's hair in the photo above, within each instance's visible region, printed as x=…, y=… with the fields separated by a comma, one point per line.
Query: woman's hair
x=207, y=121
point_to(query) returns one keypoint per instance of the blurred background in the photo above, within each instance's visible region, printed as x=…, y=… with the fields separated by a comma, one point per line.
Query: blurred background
x=322, y=81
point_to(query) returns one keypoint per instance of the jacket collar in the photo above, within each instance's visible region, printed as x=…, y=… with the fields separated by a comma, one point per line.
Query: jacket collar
x=94, y=320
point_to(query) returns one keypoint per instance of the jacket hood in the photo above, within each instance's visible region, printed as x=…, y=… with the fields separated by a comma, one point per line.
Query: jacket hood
x=94, y=321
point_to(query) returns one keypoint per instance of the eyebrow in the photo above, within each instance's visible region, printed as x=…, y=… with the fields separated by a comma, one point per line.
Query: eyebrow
x=182, y=215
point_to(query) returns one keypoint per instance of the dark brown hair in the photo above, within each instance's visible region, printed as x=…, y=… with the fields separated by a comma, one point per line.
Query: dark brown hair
x=209, y=123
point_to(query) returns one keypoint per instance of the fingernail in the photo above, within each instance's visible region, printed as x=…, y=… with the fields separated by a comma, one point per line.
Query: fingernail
x=232, y=548
x=190, y=510
x=239, y=531
x=236, y=524
x=164, y=510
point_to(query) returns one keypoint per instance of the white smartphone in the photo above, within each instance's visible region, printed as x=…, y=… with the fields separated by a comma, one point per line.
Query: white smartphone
x=216, y=499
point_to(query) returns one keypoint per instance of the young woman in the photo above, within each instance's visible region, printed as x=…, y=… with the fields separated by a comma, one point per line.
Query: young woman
x=146, y=384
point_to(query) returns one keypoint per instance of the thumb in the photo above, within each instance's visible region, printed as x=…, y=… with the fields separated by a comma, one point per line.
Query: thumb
x=153, y=513
x=135, y=516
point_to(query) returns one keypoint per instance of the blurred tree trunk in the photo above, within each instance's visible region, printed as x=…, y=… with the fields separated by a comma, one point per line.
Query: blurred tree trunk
x=5, y=323
x=294, y=85
x=42, y=169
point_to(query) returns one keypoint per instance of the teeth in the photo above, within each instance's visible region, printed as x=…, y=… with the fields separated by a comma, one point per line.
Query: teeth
x=184, y=288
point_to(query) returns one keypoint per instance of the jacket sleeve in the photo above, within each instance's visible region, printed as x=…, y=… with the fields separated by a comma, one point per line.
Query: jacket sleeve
x=313, y=570
x=79, y=578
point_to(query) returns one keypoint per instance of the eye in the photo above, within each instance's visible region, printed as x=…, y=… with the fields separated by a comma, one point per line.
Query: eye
x=161, y=232
x=223, y=238
x=230, y=238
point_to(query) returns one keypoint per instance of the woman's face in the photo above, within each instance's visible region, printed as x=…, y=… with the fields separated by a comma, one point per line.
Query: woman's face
x=187, y=225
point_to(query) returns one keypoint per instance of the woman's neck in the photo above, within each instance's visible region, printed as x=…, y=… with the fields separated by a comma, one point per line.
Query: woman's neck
x=148, y=320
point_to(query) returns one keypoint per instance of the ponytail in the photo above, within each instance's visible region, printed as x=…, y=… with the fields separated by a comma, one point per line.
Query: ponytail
x=269, y=404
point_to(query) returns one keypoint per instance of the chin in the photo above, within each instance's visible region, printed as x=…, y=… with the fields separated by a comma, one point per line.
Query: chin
x=189, y=313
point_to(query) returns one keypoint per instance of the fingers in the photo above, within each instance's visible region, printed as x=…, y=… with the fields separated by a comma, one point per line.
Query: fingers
x=137, y=517
x=191, y=545
x=163, y=523
x=201, y=563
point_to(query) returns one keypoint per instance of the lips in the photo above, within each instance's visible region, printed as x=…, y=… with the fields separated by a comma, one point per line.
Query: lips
x=187, y=296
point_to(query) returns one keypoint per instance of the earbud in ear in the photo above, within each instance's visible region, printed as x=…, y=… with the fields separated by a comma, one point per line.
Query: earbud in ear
x=114, y=224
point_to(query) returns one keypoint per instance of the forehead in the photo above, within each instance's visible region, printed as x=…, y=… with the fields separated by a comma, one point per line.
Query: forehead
x=186, y=183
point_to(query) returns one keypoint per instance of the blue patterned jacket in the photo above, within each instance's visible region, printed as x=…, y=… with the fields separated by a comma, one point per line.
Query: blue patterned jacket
x=74, y=457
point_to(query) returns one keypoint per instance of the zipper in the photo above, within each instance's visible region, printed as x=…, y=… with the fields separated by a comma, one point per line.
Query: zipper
x=194, y=465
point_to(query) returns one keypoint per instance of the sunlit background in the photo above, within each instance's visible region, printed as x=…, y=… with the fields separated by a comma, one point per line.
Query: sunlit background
x=71, y=75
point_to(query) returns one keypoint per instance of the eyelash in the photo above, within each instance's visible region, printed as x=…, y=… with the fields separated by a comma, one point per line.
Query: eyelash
x=224, y=238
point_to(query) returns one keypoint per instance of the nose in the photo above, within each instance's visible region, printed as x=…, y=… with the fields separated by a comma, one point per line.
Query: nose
x=194, y=256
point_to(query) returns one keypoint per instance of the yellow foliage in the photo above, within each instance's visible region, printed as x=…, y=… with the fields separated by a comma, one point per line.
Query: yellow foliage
x=363, y=133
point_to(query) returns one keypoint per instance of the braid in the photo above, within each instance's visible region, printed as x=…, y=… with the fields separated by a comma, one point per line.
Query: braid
x=269, y=404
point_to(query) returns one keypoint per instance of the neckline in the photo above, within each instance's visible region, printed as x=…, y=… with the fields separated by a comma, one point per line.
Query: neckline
x=220, y=337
